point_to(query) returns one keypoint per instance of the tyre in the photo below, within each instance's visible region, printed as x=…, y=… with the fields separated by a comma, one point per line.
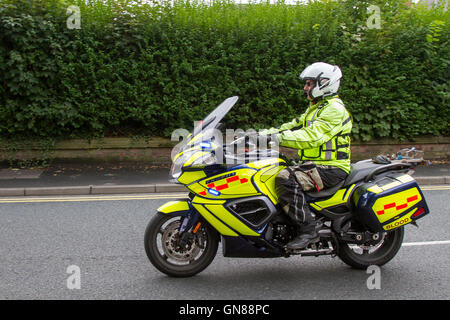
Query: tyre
x=363, y=256
x=161, y=245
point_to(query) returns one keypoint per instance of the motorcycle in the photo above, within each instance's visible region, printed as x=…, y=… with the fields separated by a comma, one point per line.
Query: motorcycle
x=232, y=200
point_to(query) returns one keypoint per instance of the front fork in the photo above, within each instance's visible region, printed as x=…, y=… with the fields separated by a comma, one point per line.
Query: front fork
x=189, y=226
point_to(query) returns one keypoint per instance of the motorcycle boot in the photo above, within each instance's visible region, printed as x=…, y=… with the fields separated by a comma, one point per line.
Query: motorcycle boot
x=293, y=203
x=304, y=240
x=308, y=232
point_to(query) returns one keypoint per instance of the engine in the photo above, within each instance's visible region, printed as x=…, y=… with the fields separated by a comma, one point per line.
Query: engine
x=282, y=233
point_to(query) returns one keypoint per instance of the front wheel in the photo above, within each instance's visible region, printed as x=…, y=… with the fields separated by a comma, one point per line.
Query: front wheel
x=161, y=245
x=363, y=256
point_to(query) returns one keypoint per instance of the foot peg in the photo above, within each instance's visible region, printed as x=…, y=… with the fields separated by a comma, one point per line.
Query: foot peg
x=302, y=242
x=312, y=250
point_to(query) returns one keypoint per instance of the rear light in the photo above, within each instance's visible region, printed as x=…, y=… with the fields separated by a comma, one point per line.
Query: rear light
x=419, y=212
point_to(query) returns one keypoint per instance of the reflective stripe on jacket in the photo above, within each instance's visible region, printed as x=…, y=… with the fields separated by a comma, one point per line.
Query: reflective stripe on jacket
x=321, y=134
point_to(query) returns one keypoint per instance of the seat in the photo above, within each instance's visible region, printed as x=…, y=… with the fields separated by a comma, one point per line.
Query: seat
x=358, y=172
x=325, y=192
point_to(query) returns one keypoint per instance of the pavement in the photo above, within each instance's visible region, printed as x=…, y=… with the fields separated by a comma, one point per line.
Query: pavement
x=127, y=178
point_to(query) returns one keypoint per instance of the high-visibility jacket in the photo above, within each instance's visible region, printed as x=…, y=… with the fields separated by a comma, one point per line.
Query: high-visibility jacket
x=321, y=134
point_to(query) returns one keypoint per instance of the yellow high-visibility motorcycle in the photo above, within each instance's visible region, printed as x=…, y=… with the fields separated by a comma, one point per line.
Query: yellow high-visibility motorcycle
x=232, y=200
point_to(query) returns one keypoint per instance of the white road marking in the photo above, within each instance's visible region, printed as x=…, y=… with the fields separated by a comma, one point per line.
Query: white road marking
x=434, y=188
x=425, y=243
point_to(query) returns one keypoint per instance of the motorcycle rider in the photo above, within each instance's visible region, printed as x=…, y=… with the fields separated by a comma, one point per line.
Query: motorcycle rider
x=322, y=137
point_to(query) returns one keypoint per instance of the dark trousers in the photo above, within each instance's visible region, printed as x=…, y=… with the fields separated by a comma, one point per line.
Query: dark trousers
x=290, y=186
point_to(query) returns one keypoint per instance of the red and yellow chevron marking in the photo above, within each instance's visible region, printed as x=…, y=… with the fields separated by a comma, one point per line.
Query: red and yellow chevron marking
x=393, y=205
x=389, y=207
x=225, y=185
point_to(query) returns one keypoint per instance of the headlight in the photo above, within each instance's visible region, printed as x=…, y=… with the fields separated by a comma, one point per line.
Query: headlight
x=178, y=163
x=176, y=170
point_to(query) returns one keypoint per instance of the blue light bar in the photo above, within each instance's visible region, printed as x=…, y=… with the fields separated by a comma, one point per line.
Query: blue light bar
x=214, y=192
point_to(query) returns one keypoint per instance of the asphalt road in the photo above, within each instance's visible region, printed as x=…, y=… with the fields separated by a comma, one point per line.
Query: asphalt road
x=103, y=237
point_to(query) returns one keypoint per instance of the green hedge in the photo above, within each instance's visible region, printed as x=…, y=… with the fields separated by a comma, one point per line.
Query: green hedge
x=137, y=69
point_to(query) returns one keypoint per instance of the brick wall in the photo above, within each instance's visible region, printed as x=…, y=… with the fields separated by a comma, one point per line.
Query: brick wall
x=157, y=150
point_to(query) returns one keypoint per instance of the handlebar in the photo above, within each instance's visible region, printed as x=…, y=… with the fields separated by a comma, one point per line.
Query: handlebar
x=250, y=145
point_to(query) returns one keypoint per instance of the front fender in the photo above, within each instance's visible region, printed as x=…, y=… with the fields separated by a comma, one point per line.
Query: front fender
x=181, y=208
x=176, y=208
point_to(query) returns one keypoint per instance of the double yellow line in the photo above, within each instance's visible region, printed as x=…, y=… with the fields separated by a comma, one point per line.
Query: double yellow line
x=158, y=196
x=94, y=198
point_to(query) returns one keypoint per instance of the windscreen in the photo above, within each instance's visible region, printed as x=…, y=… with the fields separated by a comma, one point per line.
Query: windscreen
x=211, y=121
x=206, y=126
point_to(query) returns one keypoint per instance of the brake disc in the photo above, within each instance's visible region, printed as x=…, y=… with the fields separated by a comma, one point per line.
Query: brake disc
x=171, y=248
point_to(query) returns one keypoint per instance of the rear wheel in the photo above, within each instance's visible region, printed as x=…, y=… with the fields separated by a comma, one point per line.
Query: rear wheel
x=363, y=256
x=161, y=245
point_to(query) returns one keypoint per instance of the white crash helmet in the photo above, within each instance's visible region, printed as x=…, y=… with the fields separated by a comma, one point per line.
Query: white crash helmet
x=327, y=79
